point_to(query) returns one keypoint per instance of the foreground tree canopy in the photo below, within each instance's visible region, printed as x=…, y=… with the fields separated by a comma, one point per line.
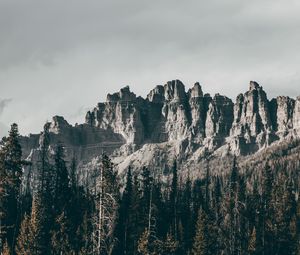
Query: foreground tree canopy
x=246, y=211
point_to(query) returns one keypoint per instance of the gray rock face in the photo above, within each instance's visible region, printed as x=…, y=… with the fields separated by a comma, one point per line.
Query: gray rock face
x=251, y=113
x=219, y=117
x=121, y=114
x=82, y=141
x=296, y=115
x=180, y=123
x=198, y=110
x=252, y=119
x=157, y=95
x=175, y=111
x=282, y=110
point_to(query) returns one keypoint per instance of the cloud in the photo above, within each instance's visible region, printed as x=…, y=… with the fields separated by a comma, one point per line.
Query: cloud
x=3, y=104
x=3, y=130
x=55, y=57
x=3, y=127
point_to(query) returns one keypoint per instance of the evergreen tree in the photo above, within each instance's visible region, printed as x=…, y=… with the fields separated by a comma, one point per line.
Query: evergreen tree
x=124, y=227
x=136, y=211
x=198, y=202
x=297, y=242
x=267, y=211
x=6, y=250
x=25, y=242
x=63, y=231
x=147, y=184
x=242, y=230
x=61, y=243
x=174, y=202
x=232, y=209
x=145, y=247
x=286, y=220
x=62, y=192
x=252, y=243
x=169, y=246
x=39, y=226
x=107, y=195
x=10, y=180
x=200, y=246
x=186, y=215
x=44, y=165
x=85, y=229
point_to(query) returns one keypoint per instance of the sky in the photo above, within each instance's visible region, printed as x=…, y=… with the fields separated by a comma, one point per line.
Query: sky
x=63, y=57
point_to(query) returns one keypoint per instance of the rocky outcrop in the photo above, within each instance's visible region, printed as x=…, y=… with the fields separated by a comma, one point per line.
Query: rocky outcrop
x=175, y=111
x=219, y=117
x=82, y=141
x=251, y=113
x=182, y=124
x=252, y=126
x=122, y=114
x=193, y=118
x=198, y=110
x=281, y=112
x=296, y=115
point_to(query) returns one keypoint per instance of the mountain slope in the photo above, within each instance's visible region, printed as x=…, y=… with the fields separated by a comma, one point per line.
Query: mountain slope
x=172, y=123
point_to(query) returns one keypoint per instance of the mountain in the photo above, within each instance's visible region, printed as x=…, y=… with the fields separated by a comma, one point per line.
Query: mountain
x=172, y=123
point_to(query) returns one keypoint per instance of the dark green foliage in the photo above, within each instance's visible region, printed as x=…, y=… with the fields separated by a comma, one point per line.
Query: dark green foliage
x=10, y=180
x=201, y=239
x=251, y=207
x=173, y=213
x=124, y=227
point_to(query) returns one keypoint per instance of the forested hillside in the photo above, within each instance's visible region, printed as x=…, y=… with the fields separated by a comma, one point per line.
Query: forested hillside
x=250, y=208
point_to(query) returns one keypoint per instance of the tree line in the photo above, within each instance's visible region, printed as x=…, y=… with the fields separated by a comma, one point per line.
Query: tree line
x=242, y=212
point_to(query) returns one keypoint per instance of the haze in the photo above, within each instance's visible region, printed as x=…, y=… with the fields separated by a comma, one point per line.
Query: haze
x=62, y=57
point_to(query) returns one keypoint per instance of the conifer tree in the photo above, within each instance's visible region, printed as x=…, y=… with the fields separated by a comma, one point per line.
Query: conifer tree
x=62, y=207
x=252, y=243
x=60, y=241
x=286, y=219
x=242, y=231
x=232, y=208
x=186, y=214
x=62, y=192
x=107, y=195
x=267, y=210
x=44, y=165
x=297, y=241
x=200, y=246
x=136, y=212
x=147, y=184
x=85, y=229
x=174, y=201
x=10, y=173
x=144, y=245
x=6, y=250
x=25, y=242
x=39, y=226
x=124, y=227
x=169, y=246
x=198, y=202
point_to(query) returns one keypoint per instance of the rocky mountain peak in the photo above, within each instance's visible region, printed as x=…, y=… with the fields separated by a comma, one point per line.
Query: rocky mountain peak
x=123, y=95
x=178, y=124
x=58, y=124
x=196, y=91
x=156, y=95
x=175, y=90
x=253, y=85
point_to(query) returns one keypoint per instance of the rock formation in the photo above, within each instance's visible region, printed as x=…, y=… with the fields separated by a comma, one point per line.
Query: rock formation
x=178, y=123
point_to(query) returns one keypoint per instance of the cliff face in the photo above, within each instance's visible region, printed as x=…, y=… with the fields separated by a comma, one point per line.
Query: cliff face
x=169, y=113
x=173, y=119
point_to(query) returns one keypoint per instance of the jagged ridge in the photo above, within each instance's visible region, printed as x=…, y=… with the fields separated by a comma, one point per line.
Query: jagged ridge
x=172, y=122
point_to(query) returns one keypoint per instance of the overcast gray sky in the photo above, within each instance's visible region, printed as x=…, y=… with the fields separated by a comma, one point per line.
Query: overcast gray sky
x=62, y=57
